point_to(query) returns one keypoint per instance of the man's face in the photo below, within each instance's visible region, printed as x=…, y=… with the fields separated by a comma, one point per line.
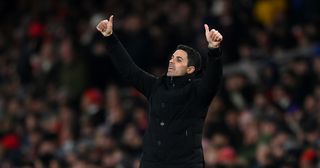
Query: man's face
x=178, y=64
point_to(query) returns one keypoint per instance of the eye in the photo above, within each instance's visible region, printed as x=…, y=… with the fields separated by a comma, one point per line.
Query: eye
x=179, y=60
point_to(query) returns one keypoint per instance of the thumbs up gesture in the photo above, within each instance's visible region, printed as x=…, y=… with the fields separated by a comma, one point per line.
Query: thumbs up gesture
x=213, y=37
x=105, y=26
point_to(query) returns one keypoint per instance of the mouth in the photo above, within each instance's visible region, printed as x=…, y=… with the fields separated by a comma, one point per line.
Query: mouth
x=170, y=68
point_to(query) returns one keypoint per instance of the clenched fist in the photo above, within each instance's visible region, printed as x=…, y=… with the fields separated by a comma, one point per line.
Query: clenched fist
x=213, y=37
x=105, y=26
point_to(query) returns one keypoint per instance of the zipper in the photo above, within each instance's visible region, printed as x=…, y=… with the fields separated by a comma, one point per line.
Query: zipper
x=171, y=80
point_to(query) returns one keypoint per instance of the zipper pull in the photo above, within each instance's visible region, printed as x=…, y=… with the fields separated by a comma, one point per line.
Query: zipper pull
x=173, y=85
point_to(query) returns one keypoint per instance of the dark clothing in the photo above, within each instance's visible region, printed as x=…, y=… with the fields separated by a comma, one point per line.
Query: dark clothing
x=177, y=109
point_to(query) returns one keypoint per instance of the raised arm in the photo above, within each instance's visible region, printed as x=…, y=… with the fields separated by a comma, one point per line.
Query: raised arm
x=122, y=61
x=210, y=81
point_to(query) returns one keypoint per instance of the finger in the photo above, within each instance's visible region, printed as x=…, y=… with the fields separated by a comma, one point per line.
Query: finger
x=212, y=36
x=105, y=22
x=206, y=27
x=111, y=19
x=98, y=27
x=213, y=30
x=216, y=33
x=101, y=26
x=219, y=36
x=215, y=38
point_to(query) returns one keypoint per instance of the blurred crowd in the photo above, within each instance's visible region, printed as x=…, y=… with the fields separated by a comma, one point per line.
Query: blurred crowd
x=62, y=104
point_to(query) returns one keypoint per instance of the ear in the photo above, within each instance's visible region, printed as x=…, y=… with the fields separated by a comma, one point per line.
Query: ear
x=190, y=69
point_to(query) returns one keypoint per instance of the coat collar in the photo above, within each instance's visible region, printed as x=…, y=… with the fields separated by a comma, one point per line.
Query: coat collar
x=177, y=81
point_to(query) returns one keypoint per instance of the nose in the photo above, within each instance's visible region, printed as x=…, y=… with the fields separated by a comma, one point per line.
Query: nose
x=171, y=60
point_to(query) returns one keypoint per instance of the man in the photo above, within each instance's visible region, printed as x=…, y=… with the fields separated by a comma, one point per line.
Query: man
x=178, y=102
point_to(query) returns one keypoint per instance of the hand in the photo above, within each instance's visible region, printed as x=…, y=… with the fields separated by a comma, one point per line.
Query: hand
x=105, y=26
x=214, y=38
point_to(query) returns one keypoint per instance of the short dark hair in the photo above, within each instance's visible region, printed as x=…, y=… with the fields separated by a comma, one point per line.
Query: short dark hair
x=194, y=57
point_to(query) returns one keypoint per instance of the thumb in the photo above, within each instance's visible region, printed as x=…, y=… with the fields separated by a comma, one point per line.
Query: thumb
x=110, y=23
x=111, y=19
x=206, y=27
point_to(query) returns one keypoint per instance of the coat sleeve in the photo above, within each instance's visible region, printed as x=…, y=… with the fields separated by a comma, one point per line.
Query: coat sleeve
x=210, y=81
x=127, y=69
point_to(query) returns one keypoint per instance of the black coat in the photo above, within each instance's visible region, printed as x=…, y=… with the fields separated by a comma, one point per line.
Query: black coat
x=177, y=109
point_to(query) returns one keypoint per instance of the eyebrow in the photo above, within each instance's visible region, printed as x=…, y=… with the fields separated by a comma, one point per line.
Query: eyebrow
x=179, y=57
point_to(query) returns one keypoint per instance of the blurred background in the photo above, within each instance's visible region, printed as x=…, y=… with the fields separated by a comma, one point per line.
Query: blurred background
x=62, y=104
